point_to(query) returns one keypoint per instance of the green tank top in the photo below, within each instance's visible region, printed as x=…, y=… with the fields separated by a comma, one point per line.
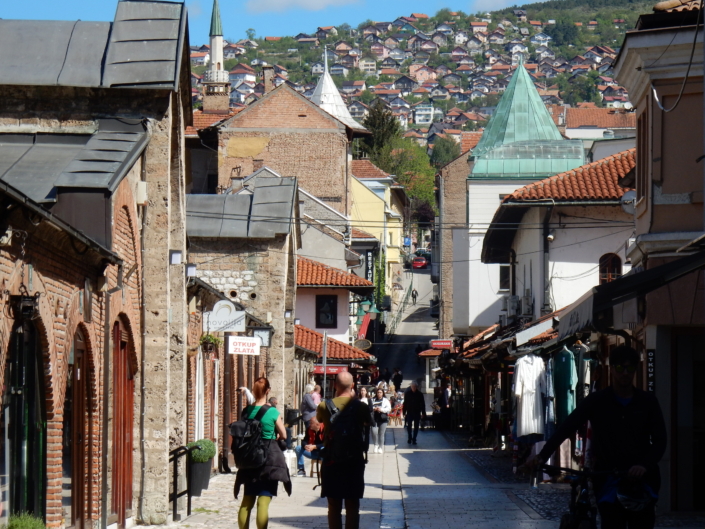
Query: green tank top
x=268, y=421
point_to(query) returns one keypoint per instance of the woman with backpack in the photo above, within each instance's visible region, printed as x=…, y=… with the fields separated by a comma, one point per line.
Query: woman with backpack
x=261, y=483
x=380, y=408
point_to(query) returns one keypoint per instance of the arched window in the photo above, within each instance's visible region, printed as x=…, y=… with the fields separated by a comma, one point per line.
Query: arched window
x=610, y=268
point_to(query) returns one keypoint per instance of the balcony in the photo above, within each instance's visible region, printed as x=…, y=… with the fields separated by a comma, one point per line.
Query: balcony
x=216, y=76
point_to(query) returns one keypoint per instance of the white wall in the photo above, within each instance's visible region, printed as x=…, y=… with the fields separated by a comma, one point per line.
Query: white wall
x=596, y=133
x=306, y=310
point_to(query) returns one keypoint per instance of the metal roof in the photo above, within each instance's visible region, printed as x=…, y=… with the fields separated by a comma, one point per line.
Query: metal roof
x=262, y=210
x=141, y=48
x=327, y=96
x=37, y=164
x=520, y=116
x=216, y=24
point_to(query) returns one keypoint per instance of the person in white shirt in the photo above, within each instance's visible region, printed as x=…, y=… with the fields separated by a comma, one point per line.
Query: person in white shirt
x=380, y=409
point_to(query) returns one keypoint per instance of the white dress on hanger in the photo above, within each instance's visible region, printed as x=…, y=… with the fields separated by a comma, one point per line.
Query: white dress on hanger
x=529, y=386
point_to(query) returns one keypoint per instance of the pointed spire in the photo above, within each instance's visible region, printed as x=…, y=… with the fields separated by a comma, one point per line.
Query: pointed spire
x=325, y=58
x=520, y=116
x=216, y=24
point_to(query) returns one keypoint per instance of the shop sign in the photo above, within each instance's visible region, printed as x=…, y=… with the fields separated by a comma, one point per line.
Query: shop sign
x=370, y=266
x=407, y=241
x=243, y=345
x=224, y=318
x=650, y=370
x=330, y=370
x=441, y=344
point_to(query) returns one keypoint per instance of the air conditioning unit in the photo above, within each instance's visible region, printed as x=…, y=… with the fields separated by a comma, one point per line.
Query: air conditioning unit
x=502, y=320
x=513, y=306
x=527, y=307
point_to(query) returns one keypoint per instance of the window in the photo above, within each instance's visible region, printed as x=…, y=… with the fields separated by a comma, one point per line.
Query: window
x=326, y=312
x=610, y=268
x=505, y=276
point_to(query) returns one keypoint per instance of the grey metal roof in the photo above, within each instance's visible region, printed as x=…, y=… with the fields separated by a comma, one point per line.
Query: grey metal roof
x=38, y=164
x=142, y=47
x=262, y=211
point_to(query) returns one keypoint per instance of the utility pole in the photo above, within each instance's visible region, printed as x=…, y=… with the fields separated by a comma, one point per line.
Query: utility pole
x=325, y=362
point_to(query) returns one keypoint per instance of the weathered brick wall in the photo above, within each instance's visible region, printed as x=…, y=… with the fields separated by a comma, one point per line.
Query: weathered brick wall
x=453, y=214
x=285, y=132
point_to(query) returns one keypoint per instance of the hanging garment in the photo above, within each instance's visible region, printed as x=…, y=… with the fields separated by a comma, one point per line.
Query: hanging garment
x=565, y=380
x=529, y=389
x=550, y=411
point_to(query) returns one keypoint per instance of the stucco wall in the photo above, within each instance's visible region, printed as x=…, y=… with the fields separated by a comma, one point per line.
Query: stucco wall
x=306, y=310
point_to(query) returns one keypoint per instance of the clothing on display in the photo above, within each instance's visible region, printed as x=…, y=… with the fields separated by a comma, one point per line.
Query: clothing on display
x=550, y=426
x=565, y=379
x=529, y=389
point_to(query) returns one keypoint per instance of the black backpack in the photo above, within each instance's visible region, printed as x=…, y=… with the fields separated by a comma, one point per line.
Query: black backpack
x=248, y=447
x=348, y=439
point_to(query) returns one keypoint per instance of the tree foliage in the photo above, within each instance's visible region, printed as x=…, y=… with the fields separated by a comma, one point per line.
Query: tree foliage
x=384, y=128
x=445, y=150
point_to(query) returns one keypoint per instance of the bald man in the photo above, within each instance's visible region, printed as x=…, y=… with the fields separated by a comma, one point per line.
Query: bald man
x=343, y=482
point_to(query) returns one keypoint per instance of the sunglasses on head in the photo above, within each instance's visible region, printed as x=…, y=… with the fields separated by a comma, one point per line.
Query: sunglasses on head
x=622, y=369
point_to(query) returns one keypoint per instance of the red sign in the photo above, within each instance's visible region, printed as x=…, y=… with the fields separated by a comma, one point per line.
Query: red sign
x=441, y=344
x=330, y=370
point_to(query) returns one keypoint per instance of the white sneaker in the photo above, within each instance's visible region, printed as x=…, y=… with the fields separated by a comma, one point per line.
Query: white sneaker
x=380, y=450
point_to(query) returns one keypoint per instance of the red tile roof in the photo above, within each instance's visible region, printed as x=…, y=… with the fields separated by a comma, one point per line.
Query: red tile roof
x=418, y=15
x=202, y=120
x=360, y=234
x=310, y=340
x=313, y=273
x=430, y=353
x=366, y=169
x=594, y=181
x=468, y=140
x=670, y=6
x=602, y=118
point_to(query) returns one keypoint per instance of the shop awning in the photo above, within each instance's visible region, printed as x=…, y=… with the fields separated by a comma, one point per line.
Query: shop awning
x=330, y=370
x=362, y=333
x=595, y=308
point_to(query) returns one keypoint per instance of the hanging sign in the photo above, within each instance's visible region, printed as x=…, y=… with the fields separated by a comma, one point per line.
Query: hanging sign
x=441, y=344
x=243, y=345
x=330, y=369
x=369, y=275
x=407, y=241
x=224, y=318
x=650, y=370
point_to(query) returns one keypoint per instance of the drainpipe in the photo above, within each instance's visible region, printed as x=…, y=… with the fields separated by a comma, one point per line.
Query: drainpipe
x=512, y=271
x=107, y=341
x=546, y=308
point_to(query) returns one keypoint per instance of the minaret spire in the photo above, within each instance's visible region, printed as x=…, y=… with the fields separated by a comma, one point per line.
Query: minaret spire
x=325, y=56
x=216, y=24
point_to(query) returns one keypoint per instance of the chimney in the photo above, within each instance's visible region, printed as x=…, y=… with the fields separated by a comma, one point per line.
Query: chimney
x=257, y=164
x=268, y=75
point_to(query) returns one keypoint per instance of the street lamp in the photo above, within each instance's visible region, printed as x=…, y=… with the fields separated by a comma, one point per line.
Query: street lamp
x=360, y=315
x=373, y=312
x=365, y=305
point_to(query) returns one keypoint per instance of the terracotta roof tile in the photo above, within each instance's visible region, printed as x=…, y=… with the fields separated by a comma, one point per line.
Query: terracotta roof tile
x=313, y=273
x=430, y=353
x=468, y=140
x=360, y=234
x=366, y=169
x=594, y=181
x=603, y=118
x=202, y=120
x=311, y=340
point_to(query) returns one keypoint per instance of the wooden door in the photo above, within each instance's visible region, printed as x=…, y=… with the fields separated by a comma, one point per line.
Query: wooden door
x=76, y=437
x=123, y=414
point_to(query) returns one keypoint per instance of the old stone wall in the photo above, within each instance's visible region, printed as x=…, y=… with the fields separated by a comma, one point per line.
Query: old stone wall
x=452, y=215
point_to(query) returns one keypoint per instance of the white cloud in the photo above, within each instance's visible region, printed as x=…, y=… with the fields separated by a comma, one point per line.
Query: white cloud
x=195, y=9
x=263, y=6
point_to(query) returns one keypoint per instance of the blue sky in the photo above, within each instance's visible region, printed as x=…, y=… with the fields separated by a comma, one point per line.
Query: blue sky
x=266, y=17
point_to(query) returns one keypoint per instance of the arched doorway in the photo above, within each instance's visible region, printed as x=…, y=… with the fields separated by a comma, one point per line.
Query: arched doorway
x=123, y=415
x=76, y=456
x=23, y=451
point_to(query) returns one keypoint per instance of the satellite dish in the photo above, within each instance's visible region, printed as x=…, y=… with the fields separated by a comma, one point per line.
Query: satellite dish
x=628, y=202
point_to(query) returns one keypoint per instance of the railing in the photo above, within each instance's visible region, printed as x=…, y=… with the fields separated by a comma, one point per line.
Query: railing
x=392, y=327
x=216, y=76
x=174, y=457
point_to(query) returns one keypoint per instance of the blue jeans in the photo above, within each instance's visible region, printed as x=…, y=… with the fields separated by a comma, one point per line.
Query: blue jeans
x=412, y=422
x=301, y=453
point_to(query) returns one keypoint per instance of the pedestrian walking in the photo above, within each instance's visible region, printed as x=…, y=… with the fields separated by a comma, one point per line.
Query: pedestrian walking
x=445, y=407
x=261, y=483
x=346, y=425
x=397, y=378
x=414, y=408
x=414, y=295
x=308, y=405
x=628, y=436
x=381, y=407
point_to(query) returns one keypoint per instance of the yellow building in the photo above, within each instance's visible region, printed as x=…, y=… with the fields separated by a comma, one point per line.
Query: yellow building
x=378, y=207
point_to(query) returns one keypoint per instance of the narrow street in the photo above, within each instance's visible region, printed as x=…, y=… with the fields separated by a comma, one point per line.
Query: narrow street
x=430, y=485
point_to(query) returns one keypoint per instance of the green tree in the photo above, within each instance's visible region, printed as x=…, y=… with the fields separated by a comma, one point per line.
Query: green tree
x=384, y=128
x=250, y=34
x=445, y=150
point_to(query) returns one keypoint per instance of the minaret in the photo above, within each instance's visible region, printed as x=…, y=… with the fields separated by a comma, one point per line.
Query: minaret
x=216, y=81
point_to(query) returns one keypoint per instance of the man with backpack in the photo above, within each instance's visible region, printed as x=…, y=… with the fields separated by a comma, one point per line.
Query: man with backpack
x=346, y=425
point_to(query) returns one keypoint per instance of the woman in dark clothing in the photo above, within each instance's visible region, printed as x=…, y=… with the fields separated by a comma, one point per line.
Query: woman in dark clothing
x=261, y=483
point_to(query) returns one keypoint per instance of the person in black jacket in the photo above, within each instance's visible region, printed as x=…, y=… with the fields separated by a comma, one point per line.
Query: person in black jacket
x=413, y=408
x=628, y=435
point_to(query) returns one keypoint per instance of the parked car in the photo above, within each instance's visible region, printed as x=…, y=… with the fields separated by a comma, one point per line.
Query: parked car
x=419, y=262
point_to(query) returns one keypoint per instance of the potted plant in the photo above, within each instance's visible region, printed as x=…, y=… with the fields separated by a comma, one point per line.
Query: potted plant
x=209, y=343
x=200, y=462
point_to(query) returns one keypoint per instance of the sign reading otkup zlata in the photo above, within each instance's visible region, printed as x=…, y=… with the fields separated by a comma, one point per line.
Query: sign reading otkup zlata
x=243, y=345
x=224, y=318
